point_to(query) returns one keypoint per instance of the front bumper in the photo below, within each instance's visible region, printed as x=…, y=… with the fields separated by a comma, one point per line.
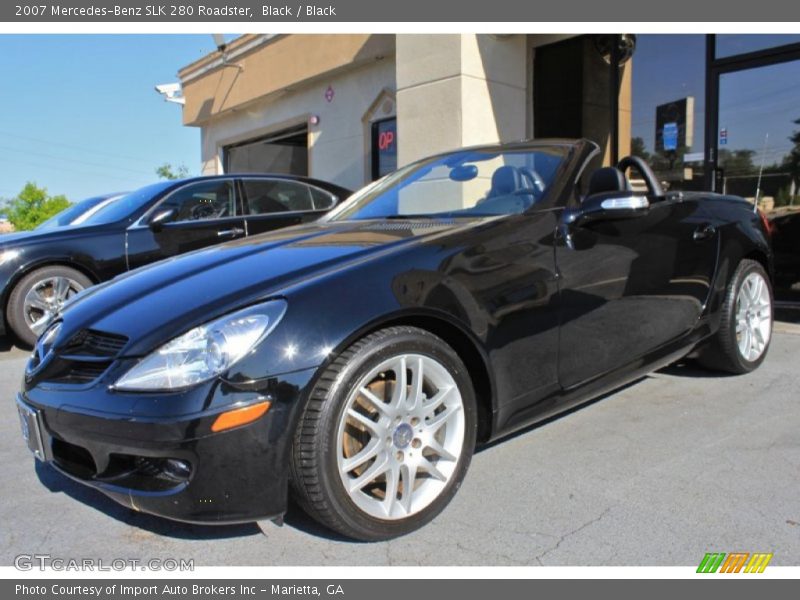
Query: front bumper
x=236, y=475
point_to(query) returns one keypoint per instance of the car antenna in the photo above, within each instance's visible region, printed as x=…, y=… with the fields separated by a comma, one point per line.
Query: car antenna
x=760, y=172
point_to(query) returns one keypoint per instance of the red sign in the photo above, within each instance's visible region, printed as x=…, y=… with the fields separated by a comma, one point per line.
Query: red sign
x=385, y=140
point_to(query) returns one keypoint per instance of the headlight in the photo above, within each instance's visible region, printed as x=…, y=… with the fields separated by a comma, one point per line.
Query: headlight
x=205, y=351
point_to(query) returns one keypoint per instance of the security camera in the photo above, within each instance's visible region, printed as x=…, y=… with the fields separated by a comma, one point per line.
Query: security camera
x=172, y=92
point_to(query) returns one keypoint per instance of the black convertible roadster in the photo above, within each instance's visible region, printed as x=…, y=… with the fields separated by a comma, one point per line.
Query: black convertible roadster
x=355, y=362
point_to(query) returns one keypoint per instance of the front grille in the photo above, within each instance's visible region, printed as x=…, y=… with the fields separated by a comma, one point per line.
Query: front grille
x=84, y=358
x=89, y=342
x=409, y=225
x=79, y=372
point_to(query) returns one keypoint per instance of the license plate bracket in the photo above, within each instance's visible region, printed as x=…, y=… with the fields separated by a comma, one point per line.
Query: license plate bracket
x=32, y=430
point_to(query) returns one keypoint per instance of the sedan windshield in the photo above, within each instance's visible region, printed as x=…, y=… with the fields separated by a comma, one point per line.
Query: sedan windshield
x=468, y=183
x=77, y=213
x=128, y=205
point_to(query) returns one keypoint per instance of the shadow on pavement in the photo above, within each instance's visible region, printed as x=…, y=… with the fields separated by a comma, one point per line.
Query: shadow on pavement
x=58, y=483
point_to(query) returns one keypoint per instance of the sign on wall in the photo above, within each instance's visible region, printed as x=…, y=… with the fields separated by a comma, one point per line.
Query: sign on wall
x=675, y=125
x=384, y=147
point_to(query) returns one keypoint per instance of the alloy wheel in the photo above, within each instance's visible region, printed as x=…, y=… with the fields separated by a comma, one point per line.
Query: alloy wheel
x=753, y=316
x=45, y=299
x=400, y=436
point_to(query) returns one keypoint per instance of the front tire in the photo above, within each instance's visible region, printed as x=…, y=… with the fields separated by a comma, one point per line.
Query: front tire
x=387, y=435
x=745, y=331
x=38, y=297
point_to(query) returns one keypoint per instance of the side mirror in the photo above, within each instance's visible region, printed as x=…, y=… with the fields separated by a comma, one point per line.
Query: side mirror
x=613, y=205
x=156, y=222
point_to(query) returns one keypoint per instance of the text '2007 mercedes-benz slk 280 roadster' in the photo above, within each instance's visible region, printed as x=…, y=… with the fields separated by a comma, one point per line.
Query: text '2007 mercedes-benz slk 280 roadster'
x=355, y=362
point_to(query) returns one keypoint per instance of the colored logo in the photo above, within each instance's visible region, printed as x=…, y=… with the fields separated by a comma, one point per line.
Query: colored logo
x=735, y=562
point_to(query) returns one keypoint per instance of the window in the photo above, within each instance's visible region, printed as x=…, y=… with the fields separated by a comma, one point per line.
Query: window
x=202, y=201
x=466, y=183
x=667, y=121
x=285, y=152
x=276, y=196
x=733, y=44
x=384, y=147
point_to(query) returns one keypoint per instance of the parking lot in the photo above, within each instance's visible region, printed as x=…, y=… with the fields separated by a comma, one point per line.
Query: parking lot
x=678, y=464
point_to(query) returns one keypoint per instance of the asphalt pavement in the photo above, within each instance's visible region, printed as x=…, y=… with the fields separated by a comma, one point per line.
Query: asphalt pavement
x=678, y=464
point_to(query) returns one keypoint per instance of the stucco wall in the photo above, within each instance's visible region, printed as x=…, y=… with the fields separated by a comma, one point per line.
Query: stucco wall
x=338, y=145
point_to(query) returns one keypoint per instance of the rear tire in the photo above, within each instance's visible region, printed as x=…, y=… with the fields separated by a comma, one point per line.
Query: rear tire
x=38, y=296
x=742, y=341
x=373, y=459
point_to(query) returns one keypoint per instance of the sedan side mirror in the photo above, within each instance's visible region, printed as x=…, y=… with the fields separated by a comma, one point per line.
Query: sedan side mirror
x=613, y=205
x=156, y=222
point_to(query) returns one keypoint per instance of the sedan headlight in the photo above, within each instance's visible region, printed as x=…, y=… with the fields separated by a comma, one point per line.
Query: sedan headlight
x=205, y=351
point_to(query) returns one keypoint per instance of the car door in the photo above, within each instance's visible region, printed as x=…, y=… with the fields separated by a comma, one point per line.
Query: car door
x=272, y=203
x=631, y=285
x=194, y=216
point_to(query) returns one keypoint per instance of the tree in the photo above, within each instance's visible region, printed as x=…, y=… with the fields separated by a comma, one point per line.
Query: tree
x=32, y=206
x=167, y=171
x=792, y=160
x=737, y=162
x=638, y=149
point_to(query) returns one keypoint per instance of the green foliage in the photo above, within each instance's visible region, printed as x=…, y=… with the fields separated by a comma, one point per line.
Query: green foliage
x=638, y=149
x=32, y=206
x=785, y=198
x=167, y=171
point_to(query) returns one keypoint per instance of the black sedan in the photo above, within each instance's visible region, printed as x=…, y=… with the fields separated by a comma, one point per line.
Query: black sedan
x=42, y=269
x=358, y=360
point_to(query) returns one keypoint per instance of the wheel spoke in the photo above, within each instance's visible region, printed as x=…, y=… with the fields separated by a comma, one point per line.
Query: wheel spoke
x=37, y=302
x=400, y=384
x=369, y=452
x=437, y=400
x=39, y=324
x=438, y=420
x=375, y=469
x=408, y=474
x=440, y=450
x=392, y=484
x=61, y=288
x=431, y=469
x=417, y=382
x=373, y=427
x=376, y=402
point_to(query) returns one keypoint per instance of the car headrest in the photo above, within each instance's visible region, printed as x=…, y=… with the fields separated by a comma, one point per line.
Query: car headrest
x=607, y=179
x=505, y=180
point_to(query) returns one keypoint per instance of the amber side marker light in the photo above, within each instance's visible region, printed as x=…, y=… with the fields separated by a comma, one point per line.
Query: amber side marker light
x=240, y=416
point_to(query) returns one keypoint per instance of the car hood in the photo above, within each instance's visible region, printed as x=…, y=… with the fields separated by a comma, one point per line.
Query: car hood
x=21, y=238
x=153, y=304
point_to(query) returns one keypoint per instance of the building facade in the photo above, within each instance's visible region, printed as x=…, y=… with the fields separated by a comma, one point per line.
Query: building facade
x=708, y=112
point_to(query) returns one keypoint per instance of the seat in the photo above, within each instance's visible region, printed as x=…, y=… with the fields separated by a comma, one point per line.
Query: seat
x=506, y=180
x=608, y=180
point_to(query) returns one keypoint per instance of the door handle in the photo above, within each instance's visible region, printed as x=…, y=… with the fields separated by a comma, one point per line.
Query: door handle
x=704, y=232
x=230, y=232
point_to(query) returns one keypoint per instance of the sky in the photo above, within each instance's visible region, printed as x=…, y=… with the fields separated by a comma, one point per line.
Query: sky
x=79, y=114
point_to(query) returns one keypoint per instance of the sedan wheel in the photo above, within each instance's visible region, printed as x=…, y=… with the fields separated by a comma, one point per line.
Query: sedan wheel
x=387, y=435
x=45, y=299
x=39, y=296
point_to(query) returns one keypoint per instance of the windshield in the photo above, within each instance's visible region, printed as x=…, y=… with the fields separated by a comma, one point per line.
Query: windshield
x=73, y=215
x=127, y=205
x=468, y=183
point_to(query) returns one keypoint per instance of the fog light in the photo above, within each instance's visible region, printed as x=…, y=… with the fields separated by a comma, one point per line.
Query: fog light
x=178, y=470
